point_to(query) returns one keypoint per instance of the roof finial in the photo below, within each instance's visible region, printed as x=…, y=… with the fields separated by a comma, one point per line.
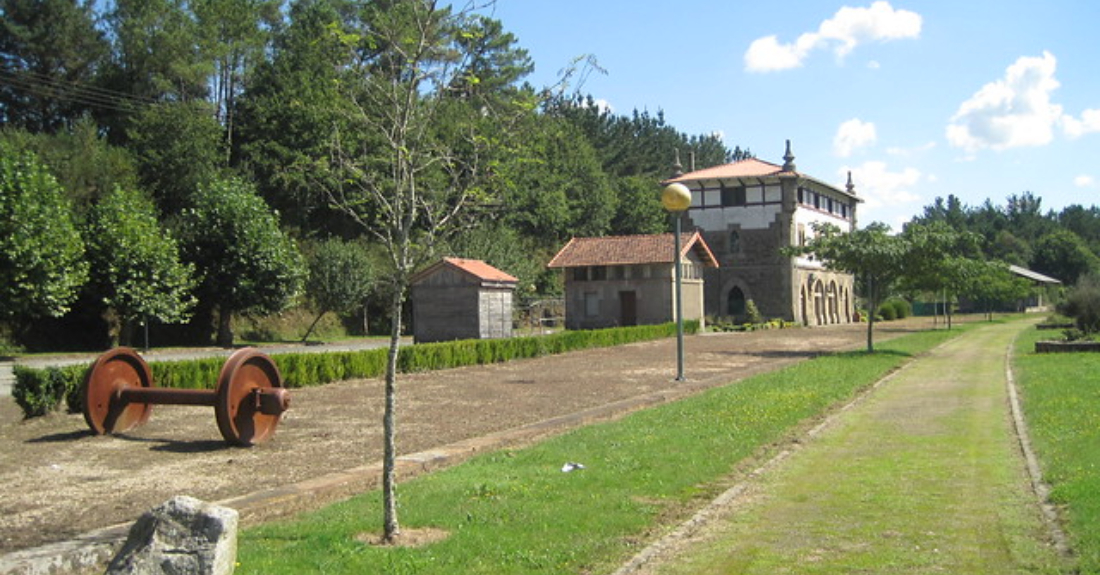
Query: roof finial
x=850, y=187
x=677, y=167
x=788, y=159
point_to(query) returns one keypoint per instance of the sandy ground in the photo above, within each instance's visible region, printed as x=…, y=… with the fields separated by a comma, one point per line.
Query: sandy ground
x=59, y=480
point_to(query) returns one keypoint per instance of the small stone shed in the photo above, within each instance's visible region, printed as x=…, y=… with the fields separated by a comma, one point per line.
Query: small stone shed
x=462, y=299
x=630, y=280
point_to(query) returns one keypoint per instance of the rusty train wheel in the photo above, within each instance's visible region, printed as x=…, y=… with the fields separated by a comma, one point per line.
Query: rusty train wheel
x=239, y=417
x=119, y=368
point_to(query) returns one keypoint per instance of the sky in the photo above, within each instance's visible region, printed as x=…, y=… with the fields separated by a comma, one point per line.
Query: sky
x=917, y=98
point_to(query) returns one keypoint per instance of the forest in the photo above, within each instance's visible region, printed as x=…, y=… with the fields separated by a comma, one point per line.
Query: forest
x=188, y=163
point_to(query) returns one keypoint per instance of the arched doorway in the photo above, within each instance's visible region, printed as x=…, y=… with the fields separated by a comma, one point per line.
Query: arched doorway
x=735, y=303
x=819, y=303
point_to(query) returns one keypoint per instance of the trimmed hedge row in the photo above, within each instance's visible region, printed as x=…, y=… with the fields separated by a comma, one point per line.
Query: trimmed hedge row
x=39, y=391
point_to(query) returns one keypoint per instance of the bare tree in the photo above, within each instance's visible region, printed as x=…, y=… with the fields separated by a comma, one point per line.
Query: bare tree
x=416, y=161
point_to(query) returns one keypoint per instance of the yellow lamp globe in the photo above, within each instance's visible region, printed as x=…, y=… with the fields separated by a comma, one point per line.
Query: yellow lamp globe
x=676, y=197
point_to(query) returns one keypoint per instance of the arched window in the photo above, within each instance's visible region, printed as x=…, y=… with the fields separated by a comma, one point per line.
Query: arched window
x=736, y=305
x=735, y=241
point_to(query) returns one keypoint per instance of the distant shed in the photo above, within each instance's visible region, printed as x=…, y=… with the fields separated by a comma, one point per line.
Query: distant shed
x=462, y=299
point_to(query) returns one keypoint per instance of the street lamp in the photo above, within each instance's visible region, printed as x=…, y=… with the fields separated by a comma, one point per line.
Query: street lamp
x=676, y=198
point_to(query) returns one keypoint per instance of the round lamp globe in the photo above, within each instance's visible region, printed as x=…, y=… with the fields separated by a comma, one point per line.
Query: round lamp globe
x=676, y=197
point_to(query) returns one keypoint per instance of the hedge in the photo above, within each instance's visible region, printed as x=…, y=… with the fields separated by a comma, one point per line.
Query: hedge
x=40, y=391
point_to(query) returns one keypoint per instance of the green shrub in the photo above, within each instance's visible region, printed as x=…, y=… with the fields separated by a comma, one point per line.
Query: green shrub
x=39, y=391
x=752, y=313
x=902, y=308
x=886, y=312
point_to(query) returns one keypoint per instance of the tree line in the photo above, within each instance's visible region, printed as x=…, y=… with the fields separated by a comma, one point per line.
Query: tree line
x=192, y=160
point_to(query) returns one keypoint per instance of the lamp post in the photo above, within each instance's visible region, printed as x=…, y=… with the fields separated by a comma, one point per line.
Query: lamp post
x=676, y=198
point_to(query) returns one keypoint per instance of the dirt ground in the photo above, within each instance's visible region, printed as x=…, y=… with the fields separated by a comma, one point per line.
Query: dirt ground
x=57, y=480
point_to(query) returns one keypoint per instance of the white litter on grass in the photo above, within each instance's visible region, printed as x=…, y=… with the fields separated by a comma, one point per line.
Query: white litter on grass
x=571, y=467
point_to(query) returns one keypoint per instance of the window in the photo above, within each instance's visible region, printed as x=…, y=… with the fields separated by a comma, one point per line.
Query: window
x=598, y=273
x=580, y=274
x=735, y=241
x=802, y=235
x=733, y=196
x=801, y=196
x=591, y=304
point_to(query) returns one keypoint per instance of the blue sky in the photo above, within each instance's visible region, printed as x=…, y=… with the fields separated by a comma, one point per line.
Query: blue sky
x=918, y=99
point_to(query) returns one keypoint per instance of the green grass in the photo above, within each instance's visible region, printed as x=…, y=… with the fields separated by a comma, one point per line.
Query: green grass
x=516, y=512
x=1061, y=400
x=924, y=477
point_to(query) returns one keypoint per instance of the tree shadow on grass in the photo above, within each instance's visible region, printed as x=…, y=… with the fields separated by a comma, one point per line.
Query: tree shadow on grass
x=878, y=352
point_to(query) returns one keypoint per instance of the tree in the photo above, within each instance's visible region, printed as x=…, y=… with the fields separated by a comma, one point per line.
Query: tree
x=409, y=187
x=993, y=284
x=42, y=263
x=290, y=108
x=246, y=264
x=1063, y=255
x=233, y=35
x=81, y=160
x=942, y=259
x=178, y=148
x=340, y=279
x=50, y=53
x=871, y=253
x=138, y=270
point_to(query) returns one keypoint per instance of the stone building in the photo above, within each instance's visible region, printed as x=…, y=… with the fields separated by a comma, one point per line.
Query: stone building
x=461, y=299
x=747, y=211
x=630, y=280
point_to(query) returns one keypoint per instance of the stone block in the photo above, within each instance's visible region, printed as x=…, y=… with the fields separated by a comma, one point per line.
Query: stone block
x=182, y=536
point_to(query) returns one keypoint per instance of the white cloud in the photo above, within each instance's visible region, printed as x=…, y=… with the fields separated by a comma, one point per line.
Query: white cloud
x=879, y=187
x=1089, y=122
x=853, y=134
x=1014, y=111
x=603, y=105
x=848, y=28
x=1084, y=181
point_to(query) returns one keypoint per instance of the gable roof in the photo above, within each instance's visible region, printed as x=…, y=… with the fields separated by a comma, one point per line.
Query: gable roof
x=630, y=250
x=748, y=168
x=475, y=268
x=752, y=169
x=1032, y=275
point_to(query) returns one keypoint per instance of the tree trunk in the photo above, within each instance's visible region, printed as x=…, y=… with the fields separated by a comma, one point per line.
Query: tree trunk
x=313, y=325
x=225, y=327
x=390, y=526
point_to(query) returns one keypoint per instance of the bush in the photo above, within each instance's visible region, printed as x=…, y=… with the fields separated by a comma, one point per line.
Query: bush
x=39, y=391
x=752, y=313
x=886, y=312
x=1082, y=303
x=902, y=308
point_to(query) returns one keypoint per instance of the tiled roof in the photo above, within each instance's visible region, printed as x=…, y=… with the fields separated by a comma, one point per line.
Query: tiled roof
x=476, y=268
x=630, y=250
x=750, y=168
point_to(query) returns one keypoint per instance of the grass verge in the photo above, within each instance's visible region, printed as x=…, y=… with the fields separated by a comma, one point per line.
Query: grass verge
x=517, y=512
x=1061, y=401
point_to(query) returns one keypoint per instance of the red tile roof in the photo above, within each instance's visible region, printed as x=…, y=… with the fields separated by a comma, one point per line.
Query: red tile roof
x=750, y=168
x=630, y=250
x=476, y=268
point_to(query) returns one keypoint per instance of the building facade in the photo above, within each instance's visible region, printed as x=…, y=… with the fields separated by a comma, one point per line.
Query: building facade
x=748, y=211
x=461, y=299
x=630, y=280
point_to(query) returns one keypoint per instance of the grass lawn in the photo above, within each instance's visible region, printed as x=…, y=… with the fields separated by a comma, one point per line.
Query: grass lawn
x=1061, y=400
x=923, y=477
x=517, y=512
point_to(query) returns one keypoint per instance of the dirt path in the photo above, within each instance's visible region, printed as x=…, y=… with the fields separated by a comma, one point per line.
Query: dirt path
x=923, y=476
x=59, y=481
